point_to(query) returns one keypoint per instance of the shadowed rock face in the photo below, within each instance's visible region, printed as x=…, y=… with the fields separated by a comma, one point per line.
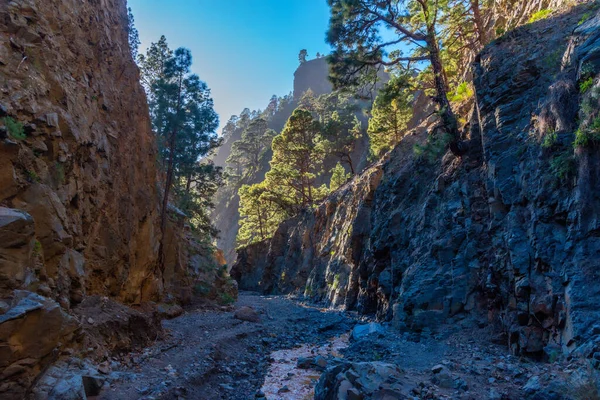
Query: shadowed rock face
x=497, y=232
x=312, y=75
x=32, y=333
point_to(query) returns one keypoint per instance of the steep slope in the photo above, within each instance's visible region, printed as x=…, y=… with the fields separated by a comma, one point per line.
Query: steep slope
x=501, y=232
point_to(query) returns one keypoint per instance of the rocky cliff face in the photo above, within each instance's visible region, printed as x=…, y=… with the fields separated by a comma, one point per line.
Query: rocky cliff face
x=85, y=172
x=78, y=194
x=312, y=75
x=508, y=231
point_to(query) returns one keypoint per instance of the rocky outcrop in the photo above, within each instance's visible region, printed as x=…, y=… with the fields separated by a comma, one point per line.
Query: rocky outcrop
x=375, y=380
x=17, y=233
x=508, y=231
x=32, y=333
x=312, y=75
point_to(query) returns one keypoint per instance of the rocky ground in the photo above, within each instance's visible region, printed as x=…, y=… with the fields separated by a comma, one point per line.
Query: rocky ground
x=278, y=347
x=221, y=353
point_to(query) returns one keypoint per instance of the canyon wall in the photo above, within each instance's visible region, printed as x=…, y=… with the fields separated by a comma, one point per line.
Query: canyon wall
x=507, y=232
x=85, y=172
x=79, y=200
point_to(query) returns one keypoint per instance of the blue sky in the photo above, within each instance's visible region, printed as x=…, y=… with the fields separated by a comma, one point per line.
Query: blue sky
x=245, y=50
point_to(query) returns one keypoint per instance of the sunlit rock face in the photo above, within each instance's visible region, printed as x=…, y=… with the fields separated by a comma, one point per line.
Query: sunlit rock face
x=85, y=172
x=79, y=200
x=500, y=233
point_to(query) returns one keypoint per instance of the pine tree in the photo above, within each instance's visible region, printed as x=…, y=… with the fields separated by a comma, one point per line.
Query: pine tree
x=354, y=31
x=249, y=150
x=185, y=122
x=153, y=66
x=390, y=115
x=289, y=186
x=302, y=56
x=297, y=157
x=260, y=213
x=133, y=34
x=338, y=177
x=341, y=128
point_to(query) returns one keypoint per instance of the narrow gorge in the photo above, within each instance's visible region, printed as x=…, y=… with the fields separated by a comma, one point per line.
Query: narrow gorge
x=390, y=229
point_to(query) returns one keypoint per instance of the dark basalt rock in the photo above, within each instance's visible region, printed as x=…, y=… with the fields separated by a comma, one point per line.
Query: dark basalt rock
x=496, y=233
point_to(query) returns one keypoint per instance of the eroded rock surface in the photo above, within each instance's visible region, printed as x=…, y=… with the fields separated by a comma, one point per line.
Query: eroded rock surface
x=33, y=330
x=79, y=199
x=499, y=233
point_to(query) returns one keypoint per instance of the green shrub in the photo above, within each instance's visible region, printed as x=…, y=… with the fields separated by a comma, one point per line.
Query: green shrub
x=308, y=291
x=37, y=248
x=563, y=165
x=58, y=173
x=584, y=18
x=542, y=14
x=435, y=146
x=586, y=136
x=587, y=108
x=463, y=93
x=500, y=31
x=549, y=140
x=581, y=138
x=586, y=85
x=202, y=288
x=587, y=70
x=226, y=299
x=336, y=282
x=553, y=60
x=15, y=128
x=32, y=176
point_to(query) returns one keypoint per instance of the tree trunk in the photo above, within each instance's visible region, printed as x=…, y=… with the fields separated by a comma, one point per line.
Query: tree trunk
x=188, y=186
x=165, y=203
x=479, y=24
x=351, y=164
x=260, y=225
x=441, y=88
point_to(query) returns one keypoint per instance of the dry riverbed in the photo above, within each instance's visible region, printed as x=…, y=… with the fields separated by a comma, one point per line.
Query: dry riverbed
x=210, y=354
x=280, y=347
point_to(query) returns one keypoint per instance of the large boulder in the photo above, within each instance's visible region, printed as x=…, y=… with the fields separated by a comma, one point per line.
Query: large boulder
x=360, y=331
x=16, y=247
x=247, y=314
x=32, y=332
x=366, y=380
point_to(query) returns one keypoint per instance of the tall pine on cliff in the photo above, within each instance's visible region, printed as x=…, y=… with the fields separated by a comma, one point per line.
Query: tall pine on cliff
x=250, y=149
x=297, y=157
x=340, y=127
x=133, y=35
x=184, y=121
x=390, y=115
